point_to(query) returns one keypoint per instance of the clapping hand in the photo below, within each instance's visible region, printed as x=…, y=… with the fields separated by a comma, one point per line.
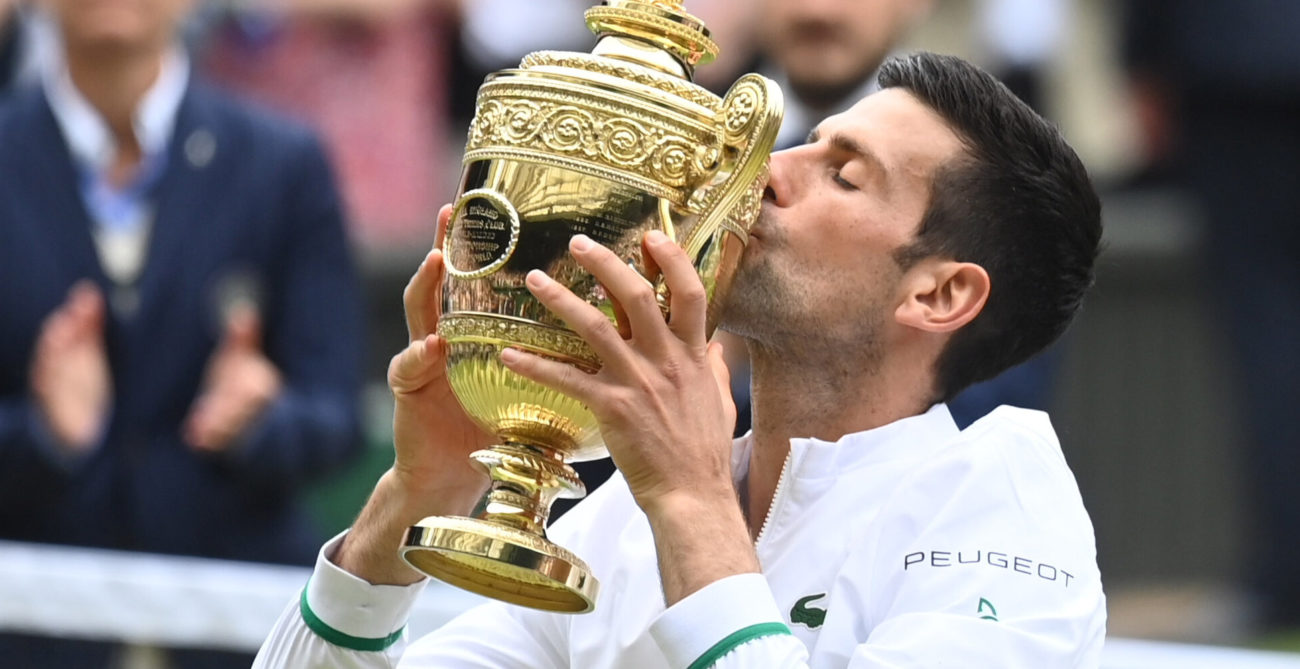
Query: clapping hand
x=70, y=377
x=239, y=384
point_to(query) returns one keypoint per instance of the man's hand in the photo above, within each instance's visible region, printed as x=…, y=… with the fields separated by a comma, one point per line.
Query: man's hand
x=664, y=406
x=69, y=376
x=239, y=384
x=433, y=437
x=432, y=434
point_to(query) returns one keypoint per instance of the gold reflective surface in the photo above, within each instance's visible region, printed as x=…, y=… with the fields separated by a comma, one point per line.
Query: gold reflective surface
x=611, y=145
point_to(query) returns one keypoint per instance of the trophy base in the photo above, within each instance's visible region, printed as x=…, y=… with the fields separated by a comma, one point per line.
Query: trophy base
x=501, y=562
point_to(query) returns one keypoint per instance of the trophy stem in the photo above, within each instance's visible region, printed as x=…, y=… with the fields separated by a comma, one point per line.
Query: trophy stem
x=503, y=551
x=526, y=480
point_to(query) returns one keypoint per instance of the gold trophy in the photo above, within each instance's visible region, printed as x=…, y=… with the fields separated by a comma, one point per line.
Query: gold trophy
x=610, y=144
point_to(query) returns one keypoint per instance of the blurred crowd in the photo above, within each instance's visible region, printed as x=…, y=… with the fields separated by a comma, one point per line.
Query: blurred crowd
x=186, y=186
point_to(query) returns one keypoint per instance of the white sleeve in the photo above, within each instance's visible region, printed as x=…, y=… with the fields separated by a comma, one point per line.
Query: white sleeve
x=340, y=621
x=494, y=636
x=729, y=624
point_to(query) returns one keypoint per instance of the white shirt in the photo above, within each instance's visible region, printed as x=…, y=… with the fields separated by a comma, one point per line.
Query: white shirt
x=122, y=216
x=910, y=545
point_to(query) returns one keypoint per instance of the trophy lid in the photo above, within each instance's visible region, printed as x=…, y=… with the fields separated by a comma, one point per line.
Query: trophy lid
x=661, y=24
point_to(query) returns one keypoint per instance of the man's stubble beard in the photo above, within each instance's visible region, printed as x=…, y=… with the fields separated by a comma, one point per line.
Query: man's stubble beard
x=755, y=308
x=757, y=293
x=771, y=311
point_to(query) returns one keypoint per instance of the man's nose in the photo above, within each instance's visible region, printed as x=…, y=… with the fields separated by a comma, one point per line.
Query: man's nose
x=780, y=170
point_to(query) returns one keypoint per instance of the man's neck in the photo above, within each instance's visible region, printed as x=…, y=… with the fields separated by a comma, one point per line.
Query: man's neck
x=822, y=397
x=114, y=83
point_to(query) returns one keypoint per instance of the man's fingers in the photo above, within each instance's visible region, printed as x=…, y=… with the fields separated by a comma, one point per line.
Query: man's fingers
x=417, y=365
x=587, y=321
x=81, y=314
x=622, y=284
x=86, y=303
x=558, y=376
x=244, y=329
x=444, y=218
x=240, y=386
x=422, y=298
x=195, y=428
x=689, y=301
x=56, y=333
x=620, y=319
x=207, y=426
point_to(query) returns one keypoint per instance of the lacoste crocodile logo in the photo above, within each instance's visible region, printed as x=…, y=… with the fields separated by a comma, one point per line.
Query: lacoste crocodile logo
x=808, y=616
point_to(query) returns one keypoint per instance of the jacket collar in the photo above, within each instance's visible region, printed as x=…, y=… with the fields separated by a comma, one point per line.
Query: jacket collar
x=84, y=129
x=915, y=437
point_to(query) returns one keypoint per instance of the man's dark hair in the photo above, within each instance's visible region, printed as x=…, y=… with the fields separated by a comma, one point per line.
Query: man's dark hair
x=1019, y=204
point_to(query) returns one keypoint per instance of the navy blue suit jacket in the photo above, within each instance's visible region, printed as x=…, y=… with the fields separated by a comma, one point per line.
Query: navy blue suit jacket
x=247, y=200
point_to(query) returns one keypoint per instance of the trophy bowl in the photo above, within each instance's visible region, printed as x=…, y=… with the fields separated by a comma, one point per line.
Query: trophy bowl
x=610, y=144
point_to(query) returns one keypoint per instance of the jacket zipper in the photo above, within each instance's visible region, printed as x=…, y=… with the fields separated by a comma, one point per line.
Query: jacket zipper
x=776, y=498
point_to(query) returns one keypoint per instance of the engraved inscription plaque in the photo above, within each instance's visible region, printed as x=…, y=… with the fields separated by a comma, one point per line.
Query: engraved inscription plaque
x=483, y=234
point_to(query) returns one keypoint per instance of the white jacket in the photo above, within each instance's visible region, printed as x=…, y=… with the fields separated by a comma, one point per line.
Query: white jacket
x=911, y=545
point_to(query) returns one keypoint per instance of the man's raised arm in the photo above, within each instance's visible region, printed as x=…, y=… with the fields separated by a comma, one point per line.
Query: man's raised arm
x=353, y=611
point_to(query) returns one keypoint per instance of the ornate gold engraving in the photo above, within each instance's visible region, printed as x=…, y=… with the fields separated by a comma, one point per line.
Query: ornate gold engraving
x=746, y=211
x=675, y=5
x=505, y=331
x=682, y=37
x=583, y=61
x=593, y=134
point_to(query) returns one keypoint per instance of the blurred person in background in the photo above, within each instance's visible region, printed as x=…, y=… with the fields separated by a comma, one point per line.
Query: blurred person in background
x=371, y=76
x=1217, y=87
x=825, y=54
x=1021, y=37
x=180, y=339
x=11, y=41
x=21, y=44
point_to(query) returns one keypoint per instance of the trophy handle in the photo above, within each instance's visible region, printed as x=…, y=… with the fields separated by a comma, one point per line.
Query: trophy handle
x=749, y=120
x=729, y=203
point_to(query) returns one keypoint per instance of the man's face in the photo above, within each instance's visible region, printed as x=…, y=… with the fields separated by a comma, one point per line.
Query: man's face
x=118, y=24
x=820, y=261
x=827, y=48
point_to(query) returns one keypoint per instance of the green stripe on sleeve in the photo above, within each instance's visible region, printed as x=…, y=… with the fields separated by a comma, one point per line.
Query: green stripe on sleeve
x=735, y=639
x=338, y=638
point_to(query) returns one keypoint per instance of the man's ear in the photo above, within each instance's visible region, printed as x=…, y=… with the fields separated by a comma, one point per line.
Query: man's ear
x=942, y=295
